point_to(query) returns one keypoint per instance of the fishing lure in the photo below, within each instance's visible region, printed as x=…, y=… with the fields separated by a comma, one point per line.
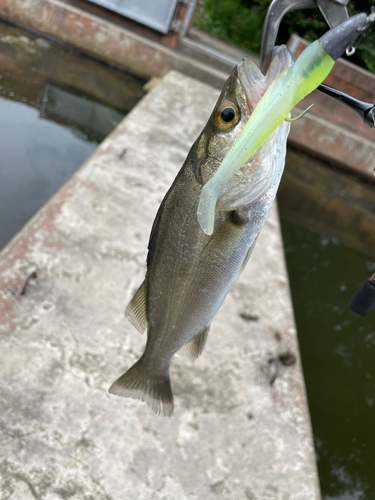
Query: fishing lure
x=287, y=90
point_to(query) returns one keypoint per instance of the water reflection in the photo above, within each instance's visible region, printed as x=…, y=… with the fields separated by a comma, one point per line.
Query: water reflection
x=88, y=119
x=55, y=107
x=338, y=352
x=37, y=157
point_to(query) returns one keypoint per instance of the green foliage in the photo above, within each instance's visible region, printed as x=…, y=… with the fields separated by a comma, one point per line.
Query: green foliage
x=241, y=22
x=365, y=55
x=232, y=21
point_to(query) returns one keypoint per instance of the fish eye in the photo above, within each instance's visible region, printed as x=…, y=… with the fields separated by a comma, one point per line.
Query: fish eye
x=227, y=116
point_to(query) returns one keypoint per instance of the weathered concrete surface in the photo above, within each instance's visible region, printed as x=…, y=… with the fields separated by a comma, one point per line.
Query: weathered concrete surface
x=104, y=39
x=232, y=435
x=32, y=62
x=328, y=201
x=337, y=145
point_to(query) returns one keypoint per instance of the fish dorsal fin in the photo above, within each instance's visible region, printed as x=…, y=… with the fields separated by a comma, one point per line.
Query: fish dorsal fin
x=194, y=347
x=136, y=310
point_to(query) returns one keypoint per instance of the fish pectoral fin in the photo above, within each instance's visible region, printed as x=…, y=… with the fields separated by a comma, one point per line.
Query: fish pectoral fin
x=195, y=346
x=155, y=390
x=136, y=310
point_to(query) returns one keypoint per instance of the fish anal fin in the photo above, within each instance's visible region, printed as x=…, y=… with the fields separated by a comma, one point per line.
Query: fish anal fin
x=195, y=346
x=155, y=390
x=136, y=310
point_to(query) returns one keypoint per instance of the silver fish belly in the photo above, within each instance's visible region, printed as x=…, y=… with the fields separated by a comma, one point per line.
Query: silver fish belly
x=189, y=273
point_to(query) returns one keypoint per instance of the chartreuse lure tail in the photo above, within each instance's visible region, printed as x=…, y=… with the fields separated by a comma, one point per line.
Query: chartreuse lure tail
x=288, y=88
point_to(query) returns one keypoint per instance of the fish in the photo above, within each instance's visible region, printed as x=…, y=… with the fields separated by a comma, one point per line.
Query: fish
x=189, y=273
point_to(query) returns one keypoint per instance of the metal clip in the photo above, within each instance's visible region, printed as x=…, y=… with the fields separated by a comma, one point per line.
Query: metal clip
x=350, y=51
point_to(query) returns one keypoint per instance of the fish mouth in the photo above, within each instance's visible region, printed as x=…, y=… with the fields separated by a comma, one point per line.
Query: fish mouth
x=262, y=167
x=254, y=82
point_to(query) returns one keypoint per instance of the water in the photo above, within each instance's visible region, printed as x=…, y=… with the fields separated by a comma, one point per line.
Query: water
x=37, y=157
x=55, y=107
x=338, y=358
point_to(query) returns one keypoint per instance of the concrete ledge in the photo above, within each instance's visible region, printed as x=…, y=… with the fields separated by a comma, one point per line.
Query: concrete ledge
x=232, y=435
x=104, y=39
x=330, y=130
x=328, y=201
x=334, y=144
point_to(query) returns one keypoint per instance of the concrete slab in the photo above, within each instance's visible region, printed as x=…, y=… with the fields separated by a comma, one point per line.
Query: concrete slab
x=233, y=435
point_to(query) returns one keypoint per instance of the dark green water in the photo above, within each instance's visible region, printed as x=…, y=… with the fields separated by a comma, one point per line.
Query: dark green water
x=338, y=357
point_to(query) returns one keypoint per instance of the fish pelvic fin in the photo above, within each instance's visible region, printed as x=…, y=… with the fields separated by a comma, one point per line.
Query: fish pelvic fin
x=136, y=310
x=195, y=346
x=155, y=390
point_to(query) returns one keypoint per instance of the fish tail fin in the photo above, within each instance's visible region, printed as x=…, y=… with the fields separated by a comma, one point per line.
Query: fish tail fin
x=155, y=390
